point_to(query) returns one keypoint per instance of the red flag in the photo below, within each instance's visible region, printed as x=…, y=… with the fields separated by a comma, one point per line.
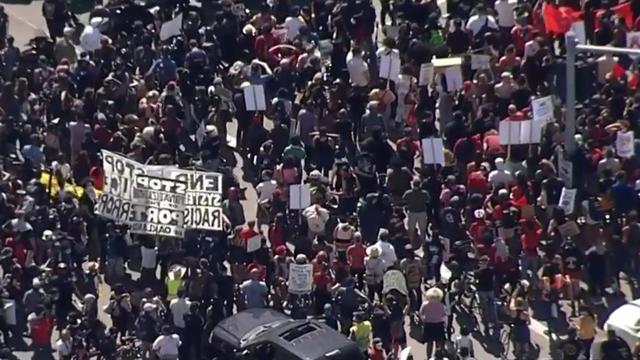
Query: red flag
x=558, y=20
x=623, y=11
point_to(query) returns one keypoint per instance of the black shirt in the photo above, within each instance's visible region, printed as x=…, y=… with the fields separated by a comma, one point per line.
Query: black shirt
x=485, y=278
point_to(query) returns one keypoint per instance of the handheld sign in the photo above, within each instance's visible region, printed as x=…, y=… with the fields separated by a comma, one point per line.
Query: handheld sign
x=300, y=278
x=299, y=196
x=254, y=98
x=390, y=65
x=567, y=200
x=171, y=28
x=542, y=109
x=432, y=151
x=394, y=280
x=624, y=144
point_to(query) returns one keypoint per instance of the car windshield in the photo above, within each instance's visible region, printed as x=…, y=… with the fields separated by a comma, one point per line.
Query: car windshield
x=260, y=330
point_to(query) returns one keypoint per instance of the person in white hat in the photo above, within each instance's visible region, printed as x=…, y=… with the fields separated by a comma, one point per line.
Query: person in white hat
x=91, y=35
x=374, y=272
x=64, y=48
x=500, y=176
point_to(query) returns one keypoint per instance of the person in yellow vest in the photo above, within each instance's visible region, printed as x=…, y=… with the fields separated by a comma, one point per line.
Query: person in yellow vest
x=174, y=281
x=361, y=331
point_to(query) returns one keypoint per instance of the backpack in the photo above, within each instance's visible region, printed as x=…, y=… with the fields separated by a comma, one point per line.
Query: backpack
x=510, y=218
x=485, y=29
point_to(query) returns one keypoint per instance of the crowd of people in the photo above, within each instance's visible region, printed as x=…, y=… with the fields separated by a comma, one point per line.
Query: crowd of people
x=480, y=237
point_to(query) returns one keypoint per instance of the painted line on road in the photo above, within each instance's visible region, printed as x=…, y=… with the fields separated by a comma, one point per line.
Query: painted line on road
x=12, y=14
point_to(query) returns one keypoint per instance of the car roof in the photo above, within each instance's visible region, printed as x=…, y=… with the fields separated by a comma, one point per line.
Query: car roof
x=627, y=315
x=236, y=327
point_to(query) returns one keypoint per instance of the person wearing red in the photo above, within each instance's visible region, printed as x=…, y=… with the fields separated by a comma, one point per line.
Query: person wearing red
x=376, y=351
x=478, y=227
x=322, y=281
x=530, y=239
x=40, y=328
x=263, y=43
x=477, y=182
x=355, y=257
x=248, y=231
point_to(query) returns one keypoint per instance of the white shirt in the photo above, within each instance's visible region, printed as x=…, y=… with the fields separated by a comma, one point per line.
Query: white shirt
x=498, y=177
x=167, y=345
x=148, y=257
x=476, y=22
x=179, y=307
x=358, y=70
x=90, y=38
x=293, y=25
x=387, y=253
x=504, y=8
x=266, y=189
x=405, y=84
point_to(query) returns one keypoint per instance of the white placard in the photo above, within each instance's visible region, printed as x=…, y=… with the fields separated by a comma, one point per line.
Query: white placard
x=171, y=28
x=390, y=65
x=520, y=132
x=453, y=78
x=158, y=206
x=426, y=74
x=432, y=151
x=254, y=243
x=579, y=30
x=442, y=4
x=299, y=196
x=567, y=200
x=543, y=109
x=624, y=144
x=204, y=198
x=480, y=61
x=300, y=278
x=565, y=170
x=254, y=98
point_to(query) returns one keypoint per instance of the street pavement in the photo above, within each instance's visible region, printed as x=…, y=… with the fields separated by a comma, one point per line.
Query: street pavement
x=26, y=22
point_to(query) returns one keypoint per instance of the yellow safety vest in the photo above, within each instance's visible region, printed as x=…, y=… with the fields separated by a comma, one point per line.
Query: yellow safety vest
x=172, y=287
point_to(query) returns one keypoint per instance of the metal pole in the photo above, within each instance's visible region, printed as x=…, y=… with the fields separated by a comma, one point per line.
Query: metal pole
x=570, y=104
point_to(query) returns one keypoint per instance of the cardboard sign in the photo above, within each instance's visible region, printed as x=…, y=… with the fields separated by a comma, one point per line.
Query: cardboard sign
x=254, y=98
x=426, y=74
x=453, y=78
x=394, y=280
x=432, y=151
x=624, y=144
x=390, y=65
x=567, y=200
x=299, y=196
x=543, y=109
x=480, y=61
x=171, y=28
x=569, y=229
x=300, y=278
x=520, y=132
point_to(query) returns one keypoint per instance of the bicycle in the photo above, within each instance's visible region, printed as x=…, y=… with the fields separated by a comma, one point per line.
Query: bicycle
x=128, y=349
x=506, y=336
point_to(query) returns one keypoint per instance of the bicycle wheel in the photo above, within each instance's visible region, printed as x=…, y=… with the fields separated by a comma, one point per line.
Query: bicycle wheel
x=505, y=341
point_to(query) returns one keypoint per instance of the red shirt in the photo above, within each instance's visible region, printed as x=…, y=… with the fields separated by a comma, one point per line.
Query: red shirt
x=41, y=331
x=492, y=144
x=97, y=175
x=477, y=183
x=356, y=254
x=102, y=134
x=247, y=233
x=276, y=235
x=530, y=239
x=322, y=280
x=476, y=229
x=19, y=250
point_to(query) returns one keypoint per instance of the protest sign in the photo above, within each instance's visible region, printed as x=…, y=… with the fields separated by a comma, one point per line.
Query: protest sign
x=453, y=78
x=520, y=132
x=394, y=280
x=565, y=170
x=432, y=151
x=390, y=65
x=426, y=74
x=300, y=278
x=624, y=144
x=171, y=28
x=299, y=196
x=569, y=229
x=543, y=109
x=119, y=176
x=203, y=208
x=480, y=61
x=567, y=200
x=254, y=243
x=254, y=98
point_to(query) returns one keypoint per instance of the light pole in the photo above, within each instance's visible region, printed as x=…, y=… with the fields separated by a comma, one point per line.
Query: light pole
x=573, y=48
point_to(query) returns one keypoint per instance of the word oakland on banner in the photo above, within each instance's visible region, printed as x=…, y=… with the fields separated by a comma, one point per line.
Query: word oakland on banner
x=158, y=206
x=197, y=194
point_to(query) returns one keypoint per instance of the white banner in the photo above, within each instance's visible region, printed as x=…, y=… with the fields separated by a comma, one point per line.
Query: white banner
x=299, y=196
x=390, y=66
x=160, y=200
x=171, y=28
x=520, y=132
x=300, y=278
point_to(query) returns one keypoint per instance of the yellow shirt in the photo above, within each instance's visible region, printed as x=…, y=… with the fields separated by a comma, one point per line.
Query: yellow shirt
x=361, y=334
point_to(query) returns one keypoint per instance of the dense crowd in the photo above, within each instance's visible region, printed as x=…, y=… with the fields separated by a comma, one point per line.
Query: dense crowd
x=373, y=148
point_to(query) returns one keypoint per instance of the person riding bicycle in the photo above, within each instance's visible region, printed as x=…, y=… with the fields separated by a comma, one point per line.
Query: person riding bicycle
x=520, y=320
x=486, y=281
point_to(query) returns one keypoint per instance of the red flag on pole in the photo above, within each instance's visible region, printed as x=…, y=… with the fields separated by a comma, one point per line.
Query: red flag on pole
x=558, y=20
x=623, y=11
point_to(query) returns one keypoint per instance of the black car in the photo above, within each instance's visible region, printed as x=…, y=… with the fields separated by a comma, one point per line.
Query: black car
x=265, y=334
